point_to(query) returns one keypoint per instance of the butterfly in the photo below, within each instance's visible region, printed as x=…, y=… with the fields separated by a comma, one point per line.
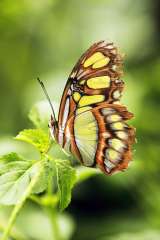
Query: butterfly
x=91, y=121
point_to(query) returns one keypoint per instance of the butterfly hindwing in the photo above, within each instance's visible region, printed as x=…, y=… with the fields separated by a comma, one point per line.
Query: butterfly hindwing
x=100, y=136
x=116, y=137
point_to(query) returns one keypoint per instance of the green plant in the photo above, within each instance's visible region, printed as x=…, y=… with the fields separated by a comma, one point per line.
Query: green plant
x=22, y=179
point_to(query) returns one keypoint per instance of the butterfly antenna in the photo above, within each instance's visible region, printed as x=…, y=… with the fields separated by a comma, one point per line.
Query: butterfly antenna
x=48, y=98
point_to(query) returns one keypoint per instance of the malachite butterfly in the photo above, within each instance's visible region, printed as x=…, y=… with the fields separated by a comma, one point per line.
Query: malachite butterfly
x=92, y=122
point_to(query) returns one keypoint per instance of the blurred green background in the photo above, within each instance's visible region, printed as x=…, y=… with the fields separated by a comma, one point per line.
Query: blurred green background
x=45, y=38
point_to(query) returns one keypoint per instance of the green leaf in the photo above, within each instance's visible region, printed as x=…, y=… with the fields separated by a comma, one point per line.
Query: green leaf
x=66, y=178
x=36, y=137
x=44, y=179
x=16, y=173
x=83, y=173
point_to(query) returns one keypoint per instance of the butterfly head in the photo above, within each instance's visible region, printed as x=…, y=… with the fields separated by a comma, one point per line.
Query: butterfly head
x=53, y=125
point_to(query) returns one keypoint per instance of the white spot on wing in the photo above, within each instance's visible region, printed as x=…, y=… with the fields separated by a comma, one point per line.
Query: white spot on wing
x=107, y=111
x=122, y=135
x=109, y=165
x=110, y=46
x=68, y=143
x=60, y=137
x=64, y=120
x=65, y=114
x=117, y=144
x=114, y=118
x=69, y=91
x=116, y=94
x=106, y=135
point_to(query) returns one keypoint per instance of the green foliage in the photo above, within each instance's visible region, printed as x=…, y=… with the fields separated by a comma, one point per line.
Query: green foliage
x=44, y=178
x=66, y=178
x=37, y=137
x=45, y=39
x=65, y=173
x=22, y=178
x=15, y=175
x=148, y=235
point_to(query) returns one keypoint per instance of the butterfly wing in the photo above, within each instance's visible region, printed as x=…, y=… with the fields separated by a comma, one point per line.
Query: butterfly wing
x=91, y=124
x=94, y=79
x=100, y=136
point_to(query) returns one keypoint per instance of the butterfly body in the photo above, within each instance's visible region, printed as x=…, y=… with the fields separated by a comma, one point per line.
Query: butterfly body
x=92, y=122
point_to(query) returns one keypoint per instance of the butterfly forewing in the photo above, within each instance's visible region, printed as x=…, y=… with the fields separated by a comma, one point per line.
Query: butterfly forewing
x=94, y=79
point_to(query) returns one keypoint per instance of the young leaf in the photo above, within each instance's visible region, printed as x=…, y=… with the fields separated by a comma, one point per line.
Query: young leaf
x=16, y=174
x=36, y=137
x=66, y=178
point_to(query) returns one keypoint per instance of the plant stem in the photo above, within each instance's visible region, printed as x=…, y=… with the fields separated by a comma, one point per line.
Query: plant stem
x=18, y=207
x=16, y=235
x=52, y=214
x=35, y=199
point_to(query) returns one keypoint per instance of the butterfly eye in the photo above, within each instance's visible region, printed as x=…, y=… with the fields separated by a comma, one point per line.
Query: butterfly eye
x=74, y=81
